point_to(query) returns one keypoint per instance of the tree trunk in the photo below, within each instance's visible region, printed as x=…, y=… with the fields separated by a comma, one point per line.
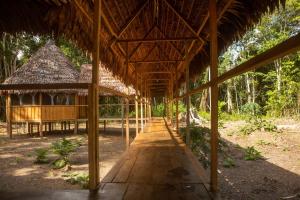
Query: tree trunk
x=203, y=101
x=248, y=90
x=236, y=97
x=229, y=97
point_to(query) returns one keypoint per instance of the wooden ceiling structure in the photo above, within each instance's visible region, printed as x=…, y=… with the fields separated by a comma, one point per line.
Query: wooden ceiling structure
x=152, y=44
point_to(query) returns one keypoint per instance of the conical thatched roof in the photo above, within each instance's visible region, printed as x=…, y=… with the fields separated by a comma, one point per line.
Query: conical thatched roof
x=47, y=65
x=106, y=80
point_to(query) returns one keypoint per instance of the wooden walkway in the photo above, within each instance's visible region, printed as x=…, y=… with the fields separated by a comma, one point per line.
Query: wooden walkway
x=156, y=166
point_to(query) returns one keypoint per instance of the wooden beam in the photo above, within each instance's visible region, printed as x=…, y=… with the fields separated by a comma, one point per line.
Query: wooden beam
x=41, y=115
x=150, y=40
x=176, y=93
x=187, y=86
x=8, y=116
x=142, y=113
x=214, y=95
x=123, y=29
x=153, y=61
x=127, y=122
x=93, y=137
x=136, y=106
x=138, y=46
x=184, y=21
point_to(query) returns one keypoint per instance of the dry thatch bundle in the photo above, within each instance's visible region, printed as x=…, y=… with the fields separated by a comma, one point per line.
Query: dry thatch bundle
x=133, y=19
x=106, y=80
x=47, y=65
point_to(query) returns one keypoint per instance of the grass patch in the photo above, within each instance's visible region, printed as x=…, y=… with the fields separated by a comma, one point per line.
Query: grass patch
x=228, y=162
x=252, y=154
x=41, y=156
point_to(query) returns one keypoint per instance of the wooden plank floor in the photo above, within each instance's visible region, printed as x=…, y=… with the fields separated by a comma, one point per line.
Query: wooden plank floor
x=156, y=166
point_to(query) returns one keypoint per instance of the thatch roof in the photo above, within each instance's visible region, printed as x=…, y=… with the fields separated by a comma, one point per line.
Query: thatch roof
x=133, y=19
x=47, y=65
x=106, y=80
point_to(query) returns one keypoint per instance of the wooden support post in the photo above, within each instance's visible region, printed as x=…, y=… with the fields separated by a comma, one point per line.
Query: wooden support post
x=136, y=107
x=172, y=97
x=41, y=117
x=177, y=94
x=142, y=99
x=187, y=82
x=93, y=119
x=8, y=116
x=122, y=115
x=76, y=114
x=214, y=95
x=127, y=122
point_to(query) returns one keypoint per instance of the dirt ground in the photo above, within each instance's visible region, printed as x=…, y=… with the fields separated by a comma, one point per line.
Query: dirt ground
x=18, y=171
x=275, y=176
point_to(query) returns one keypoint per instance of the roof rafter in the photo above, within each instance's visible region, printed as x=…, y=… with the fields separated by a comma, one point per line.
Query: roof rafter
x=183, y=20
x=123, y=29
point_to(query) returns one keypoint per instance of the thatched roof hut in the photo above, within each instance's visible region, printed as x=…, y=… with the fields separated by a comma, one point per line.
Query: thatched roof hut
x=47, y=65
x=106, y=80
x=184, y=22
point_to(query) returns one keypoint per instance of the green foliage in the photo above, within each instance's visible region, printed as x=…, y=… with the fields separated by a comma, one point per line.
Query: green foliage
x=228, y=162
x=158, y=110
x=200, y=143
x=263, y=143
x=257, y=123
x=63, y=148
x=204, y=115
x=252, y=154
x=81, y=179
x=251, y=109
x=41, y=156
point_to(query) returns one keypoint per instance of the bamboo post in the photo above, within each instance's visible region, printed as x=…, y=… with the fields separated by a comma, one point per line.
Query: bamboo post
x=187, y=82
x=172, y=97
x=142, y=99
x=136, y=107
x=93, y=119
x=76, y=107
x=122, y=115
x=177, y=94
x=127, y=122
x=41, y=117
x=214, y=95
x=8, y=116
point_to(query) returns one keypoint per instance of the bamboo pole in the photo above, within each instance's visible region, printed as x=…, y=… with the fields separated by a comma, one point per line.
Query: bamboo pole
x=214, y=95
x=8, y=116
x=177, y=94
x=187, y=82
x=41, y=117
x=93, y=138
x=127, y=122
x=136, y=106
x=142, y=99
x=172, y=97
x=122, y=116
x=76, y=115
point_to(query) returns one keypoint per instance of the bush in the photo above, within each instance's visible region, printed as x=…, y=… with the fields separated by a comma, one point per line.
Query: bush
x=252, y=154
x=78, y=178
x=228, y=162
x=63, y=148
x=251, y=109
x=257, y=123
x=200, y=143
x=41, y=156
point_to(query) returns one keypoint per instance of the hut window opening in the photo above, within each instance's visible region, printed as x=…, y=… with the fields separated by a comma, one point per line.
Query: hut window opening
x=25, y=99
x=33, y=99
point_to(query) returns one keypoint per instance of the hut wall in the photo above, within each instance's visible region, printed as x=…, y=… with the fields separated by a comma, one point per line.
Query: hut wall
x=82, y=107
